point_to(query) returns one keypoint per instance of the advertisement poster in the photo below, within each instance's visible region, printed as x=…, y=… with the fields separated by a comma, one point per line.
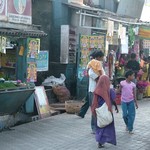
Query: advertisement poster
x=31, y=72
x=100, y=42
x=3, y=10
x=20, y=11
x=87, y=45
x=84, y=40
x=42, y=61
x=33, y=47
x=93, y=41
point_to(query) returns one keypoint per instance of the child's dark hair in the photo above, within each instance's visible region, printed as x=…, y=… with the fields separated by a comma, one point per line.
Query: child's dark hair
x=133, y=56
x=129, y=73
x=99, y=54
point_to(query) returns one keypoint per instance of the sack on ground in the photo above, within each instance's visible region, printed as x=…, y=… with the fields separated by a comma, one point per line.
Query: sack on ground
x=62, y=93
x=104, y=116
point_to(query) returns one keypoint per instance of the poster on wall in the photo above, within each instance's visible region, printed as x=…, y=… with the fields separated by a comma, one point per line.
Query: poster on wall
x=87, y=43
x=84, y=41
x=101, y=42
x=33, y=47
x=20, y=11
x=3, y=10
x=93, y=41
x=42, y=61
x=31, y=72
x=3, y=44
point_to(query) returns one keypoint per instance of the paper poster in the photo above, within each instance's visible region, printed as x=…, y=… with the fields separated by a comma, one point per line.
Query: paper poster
x=93, y=41
x=84, y=40
x=100, y=42
x=31, y=72
x=42, y=61
x=33, y=47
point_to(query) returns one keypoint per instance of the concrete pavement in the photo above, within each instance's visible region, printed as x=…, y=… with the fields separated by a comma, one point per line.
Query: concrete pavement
x=69, y=132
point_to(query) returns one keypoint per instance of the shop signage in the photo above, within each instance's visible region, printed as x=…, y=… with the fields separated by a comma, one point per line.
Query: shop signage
x=42, y=61
x=3, y=10
x=19, y=11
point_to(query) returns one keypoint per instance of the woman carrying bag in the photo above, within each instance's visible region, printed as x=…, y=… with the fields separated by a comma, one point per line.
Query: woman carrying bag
x=104, y=95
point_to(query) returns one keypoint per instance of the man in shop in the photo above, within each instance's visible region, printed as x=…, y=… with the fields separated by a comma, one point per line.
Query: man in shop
x=133, y=64
x=85, y=107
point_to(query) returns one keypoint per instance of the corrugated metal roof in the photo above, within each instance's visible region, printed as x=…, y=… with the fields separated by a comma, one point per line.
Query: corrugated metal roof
x=22, y=33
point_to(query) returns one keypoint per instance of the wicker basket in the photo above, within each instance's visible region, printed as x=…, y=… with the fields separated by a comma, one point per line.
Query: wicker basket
x=73, y=106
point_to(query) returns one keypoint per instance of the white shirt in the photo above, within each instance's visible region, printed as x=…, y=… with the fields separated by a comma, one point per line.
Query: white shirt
x=92, y=82
x=92, y=77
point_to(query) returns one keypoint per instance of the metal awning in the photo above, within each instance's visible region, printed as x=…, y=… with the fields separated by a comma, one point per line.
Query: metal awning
x=22, y=33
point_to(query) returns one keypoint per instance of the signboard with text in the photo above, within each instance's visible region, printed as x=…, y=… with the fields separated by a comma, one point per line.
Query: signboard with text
x=42, y=61
x=19, y=11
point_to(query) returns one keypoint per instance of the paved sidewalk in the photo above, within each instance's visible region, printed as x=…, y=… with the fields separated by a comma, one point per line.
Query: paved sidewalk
x=69, y=132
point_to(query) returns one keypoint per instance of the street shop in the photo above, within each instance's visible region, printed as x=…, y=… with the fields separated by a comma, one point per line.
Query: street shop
x=20, y=57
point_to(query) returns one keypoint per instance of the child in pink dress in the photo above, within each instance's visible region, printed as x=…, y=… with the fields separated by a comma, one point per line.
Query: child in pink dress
x=128, y=100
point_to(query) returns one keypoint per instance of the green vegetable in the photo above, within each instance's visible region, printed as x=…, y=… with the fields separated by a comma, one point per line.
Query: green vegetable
x=7, y=85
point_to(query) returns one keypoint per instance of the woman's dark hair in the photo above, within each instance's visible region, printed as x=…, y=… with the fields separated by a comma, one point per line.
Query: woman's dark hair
x=99, y=54
x=129, y=73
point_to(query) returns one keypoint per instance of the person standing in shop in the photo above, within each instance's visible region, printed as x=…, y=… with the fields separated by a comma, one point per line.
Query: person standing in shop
x=85, y=107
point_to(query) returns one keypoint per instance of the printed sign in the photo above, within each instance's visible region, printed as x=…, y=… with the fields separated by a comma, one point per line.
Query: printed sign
x=19, y=11
x=42, y=61
x=33, y=47
x=31, y=72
